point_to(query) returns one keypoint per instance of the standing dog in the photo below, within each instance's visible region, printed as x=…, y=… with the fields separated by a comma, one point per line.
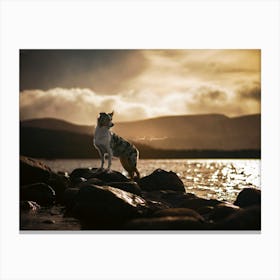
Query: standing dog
x=107, y=142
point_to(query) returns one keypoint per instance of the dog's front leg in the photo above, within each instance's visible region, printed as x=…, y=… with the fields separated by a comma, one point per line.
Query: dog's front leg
x=102, y=155
x=110, y=155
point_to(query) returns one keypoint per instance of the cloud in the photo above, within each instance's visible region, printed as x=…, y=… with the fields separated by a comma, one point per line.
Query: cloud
x=138, y=84
x=208, y=100
x=100, y=70
x=77, y=105
x=252, y=91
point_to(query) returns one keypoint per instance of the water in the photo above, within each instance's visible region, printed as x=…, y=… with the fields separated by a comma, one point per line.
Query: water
x=208, y=178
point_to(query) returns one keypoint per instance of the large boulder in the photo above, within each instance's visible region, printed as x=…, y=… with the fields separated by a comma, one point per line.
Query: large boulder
x=101, y=174
x=222, y=211
x=161, y=180
x=105, y=207
x=38, y=192
x=131, y=187
x=179, y=212
x=245, y=219
x=82, y=173
x=248, y=197
x=110, y=176
x=33, y=171
x=166, y=223
x=197, y=203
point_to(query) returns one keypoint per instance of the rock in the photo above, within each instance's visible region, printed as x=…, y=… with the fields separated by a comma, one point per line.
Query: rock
x=166, y=223
x=223, y=210
x=69, y=197
x=59, y=183
x=110, y=176
x=82, y=173
x=161, y=180
x=246, y=219
x=75, y=181
x=205, y=210
x=104, y=207
x=27, y=205
x=131, y=187
x=50, y=222
x=197, y=202
x=38, y=192
x=248, y=197
x=177, y=212
x=102, y=174
x=33, y=171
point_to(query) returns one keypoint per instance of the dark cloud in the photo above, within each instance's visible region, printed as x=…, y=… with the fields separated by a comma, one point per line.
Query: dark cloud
x=250, y=92
x=205, y=95
x=100, y=70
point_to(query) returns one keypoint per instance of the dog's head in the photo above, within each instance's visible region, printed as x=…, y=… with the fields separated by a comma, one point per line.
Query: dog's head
x=105, y=119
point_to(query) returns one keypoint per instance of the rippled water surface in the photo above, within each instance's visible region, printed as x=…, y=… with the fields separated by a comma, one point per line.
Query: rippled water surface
x=209, y=178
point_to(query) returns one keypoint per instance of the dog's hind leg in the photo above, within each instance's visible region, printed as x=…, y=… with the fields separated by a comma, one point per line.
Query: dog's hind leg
x=129, y=167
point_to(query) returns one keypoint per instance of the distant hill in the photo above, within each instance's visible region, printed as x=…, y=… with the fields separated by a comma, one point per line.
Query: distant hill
x=195, y=132
x=57, y=124
x=58, y=138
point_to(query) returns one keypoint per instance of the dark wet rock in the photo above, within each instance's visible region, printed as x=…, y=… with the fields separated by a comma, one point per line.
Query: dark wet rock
x=131, y=187
x=205, y=210
x=246, y=219
x=169, y=198
x=104, y=207
x=59, y=183
x=161, y=180
x=33, y=171
x=27, y=205
x=110, y=176
x=48, y=222
x=81, y=173
x=38, y=192
x=101, y=174
x=75, y=181
x=177, y=212
x=166, y=223
x=223, y=210
x=96, y=181
x=197, y=202
x=69, y=197
x=248, y=197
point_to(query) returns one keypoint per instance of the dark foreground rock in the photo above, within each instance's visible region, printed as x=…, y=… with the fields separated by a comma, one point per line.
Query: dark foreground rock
x=248, y=197
x=222, y=211
x=41, y=193
x=246, y=219
x=104, y=207
x=34, y=171
x=101, y=174
x=179, y=212
x=95, y=199
x=166, y=223
x=161, y=180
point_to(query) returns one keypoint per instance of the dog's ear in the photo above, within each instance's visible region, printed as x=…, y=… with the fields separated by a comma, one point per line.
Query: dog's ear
x=111, y=114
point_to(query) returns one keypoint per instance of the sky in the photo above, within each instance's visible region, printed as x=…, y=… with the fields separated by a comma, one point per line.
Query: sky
x=75, y=85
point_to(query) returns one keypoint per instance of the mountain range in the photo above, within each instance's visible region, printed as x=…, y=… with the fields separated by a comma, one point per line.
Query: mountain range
x=172, y=133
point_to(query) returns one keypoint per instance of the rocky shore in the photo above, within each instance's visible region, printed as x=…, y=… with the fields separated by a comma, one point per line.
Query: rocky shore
x=94, y=199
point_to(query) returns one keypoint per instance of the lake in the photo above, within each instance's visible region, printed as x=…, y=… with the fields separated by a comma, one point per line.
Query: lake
x=208, y=178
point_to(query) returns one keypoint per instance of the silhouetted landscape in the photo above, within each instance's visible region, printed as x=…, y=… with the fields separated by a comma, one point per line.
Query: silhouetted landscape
x=190, y=136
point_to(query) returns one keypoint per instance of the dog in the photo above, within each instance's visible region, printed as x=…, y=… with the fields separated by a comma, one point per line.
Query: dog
x=109, y=143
